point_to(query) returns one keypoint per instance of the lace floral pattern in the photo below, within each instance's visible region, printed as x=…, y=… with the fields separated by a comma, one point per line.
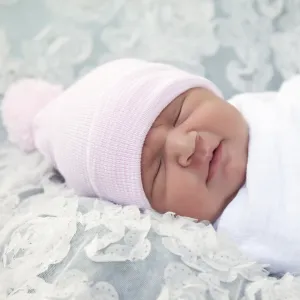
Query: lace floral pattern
x=56, y=245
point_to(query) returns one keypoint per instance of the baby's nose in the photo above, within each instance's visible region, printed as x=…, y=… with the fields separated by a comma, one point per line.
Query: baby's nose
x=203, y=147
x=180, y=147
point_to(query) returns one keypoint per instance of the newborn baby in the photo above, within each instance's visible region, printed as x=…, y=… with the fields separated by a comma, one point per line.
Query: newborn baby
x=149, y=134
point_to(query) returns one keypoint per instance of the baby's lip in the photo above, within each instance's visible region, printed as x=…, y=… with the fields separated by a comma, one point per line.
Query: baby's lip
x=214, y=162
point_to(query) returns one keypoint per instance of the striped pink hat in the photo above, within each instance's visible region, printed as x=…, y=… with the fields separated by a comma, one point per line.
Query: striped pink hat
x=94, y=131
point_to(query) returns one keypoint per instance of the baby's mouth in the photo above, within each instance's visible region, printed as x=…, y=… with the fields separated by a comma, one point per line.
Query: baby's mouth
x=214, y=162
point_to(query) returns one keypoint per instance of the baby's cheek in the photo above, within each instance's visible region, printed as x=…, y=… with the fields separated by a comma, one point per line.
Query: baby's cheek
x=190, y=202
x=236, y=171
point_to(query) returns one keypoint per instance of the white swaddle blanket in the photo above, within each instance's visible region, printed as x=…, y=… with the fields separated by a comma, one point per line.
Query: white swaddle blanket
x=264, y=217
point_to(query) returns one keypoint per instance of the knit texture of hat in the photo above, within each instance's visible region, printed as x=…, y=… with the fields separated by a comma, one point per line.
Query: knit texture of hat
x=93, y=132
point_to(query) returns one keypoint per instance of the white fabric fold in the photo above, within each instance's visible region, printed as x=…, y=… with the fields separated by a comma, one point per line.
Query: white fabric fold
x=264, y=217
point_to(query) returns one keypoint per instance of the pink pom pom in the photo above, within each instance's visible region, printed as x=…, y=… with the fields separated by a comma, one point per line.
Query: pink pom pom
x=21, y=103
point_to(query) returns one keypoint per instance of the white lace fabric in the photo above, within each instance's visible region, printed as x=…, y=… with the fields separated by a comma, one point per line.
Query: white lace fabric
x=56, y=245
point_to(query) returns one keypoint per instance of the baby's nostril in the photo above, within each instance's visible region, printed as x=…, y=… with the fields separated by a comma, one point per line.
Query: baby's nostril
x=185, y=161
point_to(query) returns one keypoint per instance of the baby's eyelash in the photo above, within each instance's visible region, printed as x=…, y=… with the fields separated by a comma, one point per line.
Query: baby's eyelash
x=179, y=113
x=177, y=118
x=158, y=168
x=154, y=178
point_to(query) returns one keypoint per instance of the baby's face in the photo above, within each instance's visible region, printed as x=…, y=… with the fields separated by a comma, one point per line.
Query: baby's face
x=195, y=155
